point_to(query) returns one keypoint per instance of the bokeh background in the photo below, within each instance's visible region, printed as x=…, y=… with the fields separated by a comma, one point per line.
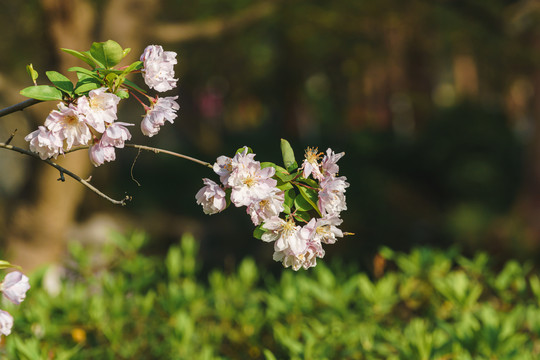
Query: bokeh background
x=435, y=103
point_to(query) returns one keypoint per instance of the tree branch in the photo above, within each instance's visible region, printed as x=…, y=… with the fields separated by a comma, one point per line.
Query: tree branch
x=66, y=172
x=17, y=107
x=213, y=27
x=157, y=151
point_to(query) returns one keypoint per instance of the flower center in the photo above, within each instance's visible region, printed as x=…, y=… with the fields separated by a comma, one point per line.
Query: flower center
x=71, y=120
x=312, y=155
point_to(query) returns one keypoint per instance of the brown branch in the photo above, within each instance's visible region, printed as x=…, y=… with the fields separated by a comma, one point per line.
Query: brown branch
x=157, y=151
x=66, y=172
x=17, y=107
x=213, y=27
x=154, y=150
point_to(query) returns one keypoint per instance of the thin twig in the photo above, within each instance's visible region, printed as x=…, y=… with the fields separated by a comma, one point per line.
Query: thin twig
x=157, y=151
x=133, y=165
x=20, y=106
x=66, y=172
x=11, y=137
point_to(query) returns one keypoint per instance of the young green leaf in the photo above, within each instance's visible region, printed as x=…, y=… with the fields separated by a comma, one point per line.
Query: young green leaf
x=60, y=81
x=33, y=73
x=82, y=56
x=85, y=72
x=258, y=232
x=311, y=196
x=109, y=53
x=288, y=156
x=42, y=92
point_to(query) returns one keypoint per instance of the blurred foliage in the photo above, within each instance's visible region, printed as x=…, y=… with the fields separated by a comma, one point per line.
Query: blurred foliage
x=427, y=304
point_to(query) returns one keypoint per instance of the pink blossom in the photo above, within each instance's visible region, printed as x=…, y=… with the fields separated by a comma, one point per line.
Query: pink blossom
x=251, y=183
x=6, y=323
x=311, y=164
x=100, y=153
x=211, y=197
x=99, y=108
x=69, y=124
x=44, y=142
x=323, y=229
x=223, y=167
x=158, y=68
x=285, y=235
x=267, y=207
x=15, y=286
x=305, y=259
x=116, y=134
x=329, y=166
x=332, y=195
x=163, y=109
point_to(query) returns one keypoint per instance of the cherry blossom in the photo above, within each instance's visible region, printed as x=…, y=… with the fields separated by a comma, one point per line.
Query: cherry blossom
x=15, y=286
x=251, y=183
x=69, y=124
x=332, y=195
x=267, y=207
x=311, y=164
x=116, y=134
x=99, y=108
x=162, y=109
x=44, y=142
x=6, y=323
x=329, y=166
x=158, y=69
x=100, y=153
x=284, y=234
x=211, y=197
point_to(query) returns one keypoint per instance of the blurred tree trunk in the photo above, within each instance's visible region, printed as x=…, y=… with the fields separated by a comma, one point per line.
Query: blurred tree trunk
x=37, y=232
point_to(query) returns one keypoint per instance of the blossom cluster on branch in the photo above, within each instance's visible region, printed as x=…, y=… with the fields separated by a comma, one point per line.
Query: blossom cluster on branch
x=86, y=115
x=278, y=199
x=13, y=288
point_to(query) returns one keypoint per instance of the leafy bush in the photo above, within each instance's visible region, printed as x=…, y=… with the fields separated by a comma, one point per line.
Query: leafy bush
x=429, y=304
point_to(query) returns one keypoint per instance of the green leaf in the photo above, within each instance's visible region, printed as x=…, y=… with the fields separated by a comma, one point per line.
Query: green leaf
x=122, y=94
x=133, y=67
x=60, y=81
x=7, y=265
x=289, y=200
x=42, y=92
x=288, y=156
x=126, y=51
x=311, y=196
x=284, y=186
x=109, y=53
x=243, y=149
x=33, y=73
x=84, y=56
x=85, y=72
x=85, y=87
x=302, y=215
x=285, y=177
x=258, y=232
x=300, y=203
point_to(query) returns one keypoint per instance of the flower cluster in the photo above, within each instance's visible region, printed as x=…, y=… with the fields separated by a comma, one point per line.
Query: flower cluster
x=13, y=288
x=89, y=118
x=297, y=223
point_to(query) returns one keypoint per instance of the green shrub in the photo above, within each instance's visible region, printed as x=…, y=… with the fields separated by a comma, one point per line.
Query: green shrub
x=429, y=304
